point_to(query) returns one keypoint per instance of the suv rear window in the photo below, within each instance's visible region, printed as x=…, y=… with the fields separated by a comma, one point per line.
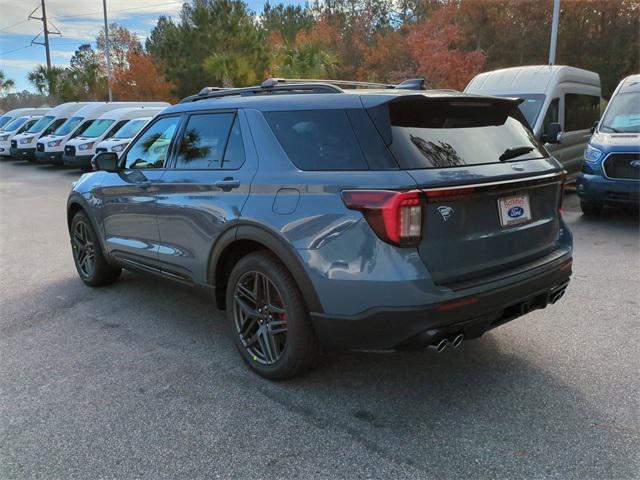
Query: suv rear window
x=317, y=139
x=442, y=133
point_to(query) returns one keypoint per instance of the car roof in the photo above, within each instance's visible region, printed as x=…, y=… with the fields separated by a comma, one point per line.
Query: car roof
x=529, y=79
x=130, y=113
x=354, y=98
x=630, y=84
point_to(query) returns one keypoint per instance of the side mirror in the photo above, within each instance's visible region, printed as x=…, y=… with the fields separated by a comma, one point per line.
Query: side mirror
x=595, y=126
x=552, y=133
x=105, y=161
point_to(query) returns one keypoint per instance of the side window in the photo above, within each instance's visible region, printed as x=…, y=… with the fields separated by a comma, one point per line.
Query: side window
x=234, y=153
x=54, y=126
x=317, y=139
x=580, y=111
x=552, y=114
x=151, y=148
x=82, y=128
x=203, y=141
x=115, y=128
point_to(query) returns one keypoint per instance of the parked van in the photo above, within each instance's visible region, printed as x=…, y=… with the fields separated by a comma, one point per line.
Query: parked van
x=560, y=103
x=120, y=139
x=11, y=115
x=13, y=128
x=50, y=149
x=611, y=169
x=79, y=151
x=24, y=145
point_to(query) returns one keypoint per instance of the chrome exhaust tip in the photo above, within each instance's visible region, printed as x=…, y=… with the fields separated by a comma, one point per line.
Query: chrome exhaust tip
x=439, y=346
x=457, y=340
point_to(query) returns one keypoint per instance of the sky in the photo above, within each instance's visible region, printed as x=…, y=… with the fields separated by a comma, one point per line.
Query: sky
x=79, y=21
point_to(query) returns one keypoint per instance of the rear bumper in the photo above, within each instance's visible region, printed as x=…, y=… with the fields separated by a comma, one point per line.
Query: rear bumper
x=24, y=153
x=417, y=327
x=598, y=189
x=49, y=157
x=77, y=161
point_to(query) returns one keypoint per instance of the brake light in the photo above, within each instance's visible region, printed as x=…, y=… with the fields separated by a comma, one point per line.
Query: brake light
x=448, y=192
x=396, y=217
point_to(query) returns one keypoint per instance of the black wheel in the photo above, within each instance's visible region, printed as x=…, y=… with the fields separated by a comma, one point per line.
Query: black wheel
x=269, y=320
x=591, y=209
x=91, y=265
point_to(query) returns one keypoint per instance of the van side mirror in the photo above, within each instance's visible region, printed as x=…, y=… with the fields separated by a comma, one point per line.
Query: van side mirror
x=595, y=126
x=105, y=161
x=552, y=133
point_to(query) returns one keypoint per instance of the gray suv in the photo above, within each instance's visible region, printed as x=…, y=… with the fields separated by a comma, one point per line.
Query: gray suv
x=380, y=218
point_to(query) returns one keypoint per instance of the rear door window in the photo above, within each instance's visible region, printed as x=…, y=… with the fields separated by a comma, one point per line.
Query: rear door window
x=318, y=139
x=580, y=111
x=442, y=133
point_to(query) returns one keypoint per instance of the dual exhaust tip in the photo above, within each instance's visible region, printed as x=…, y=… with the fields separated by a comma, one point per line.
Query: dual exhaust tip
x=441, y=344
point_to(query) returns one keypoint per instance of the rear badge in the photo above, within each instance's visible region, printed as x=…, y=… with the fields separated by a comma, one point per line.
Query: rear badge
x=635, y=163
x=446, y=212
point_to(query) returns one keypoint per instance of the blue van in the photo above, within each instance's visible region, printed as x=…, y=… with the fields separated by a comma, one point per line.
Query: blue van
x=611, y=168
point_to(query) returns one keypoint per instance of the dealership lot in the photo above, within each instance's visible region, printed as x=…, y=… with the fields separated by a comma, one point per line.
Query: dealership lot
x=141, y=380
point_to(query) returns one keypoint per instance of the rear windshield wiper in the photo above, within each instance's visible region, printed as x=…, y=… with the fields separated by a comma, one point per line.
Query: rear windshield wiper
x=514, y=152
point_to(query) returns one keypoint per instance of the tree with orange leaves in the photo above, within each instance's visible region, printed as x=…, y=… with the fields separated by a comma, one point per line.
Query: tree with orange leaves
x=141, y=80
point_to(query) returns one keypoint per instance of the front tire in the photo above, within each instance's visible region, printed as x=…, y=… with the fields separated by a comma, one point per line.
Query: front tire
x=93, y=268
x=591, y=209
x=269, y=319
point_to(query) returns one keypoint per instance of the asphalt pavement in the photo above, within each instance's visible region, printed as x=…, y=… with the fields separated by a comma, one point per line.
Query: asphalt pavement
x=141, y=380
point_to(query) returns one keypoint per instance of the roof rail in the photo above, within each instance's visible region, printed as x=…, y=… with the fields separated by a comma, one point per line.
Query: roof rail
x=298, y=85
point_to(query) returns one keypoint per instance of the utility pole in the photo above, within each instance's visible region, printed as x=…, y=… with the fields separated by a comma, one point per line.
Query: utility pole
x=106, y=48
x=45, y=30
x=554, y=32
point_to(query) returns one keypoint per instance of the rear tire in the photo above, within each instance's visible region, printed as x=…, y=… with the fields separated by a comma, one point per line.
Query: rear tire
x=591, y=209
x=93, y=268
x=269, y=319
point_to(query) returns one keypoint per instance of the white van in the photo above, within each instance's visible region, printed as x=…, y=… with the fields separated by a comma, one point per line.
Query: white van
x=117, y=142
x=11, y=115
x=79, y=150
x=50, y=149
x=560, y=103
x=13, y=128
x=23, y=145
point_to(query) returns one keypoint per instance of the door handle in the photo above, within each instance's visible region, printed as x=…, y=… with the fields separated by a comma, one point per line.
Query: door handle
x=227, y=184
x=143, y=184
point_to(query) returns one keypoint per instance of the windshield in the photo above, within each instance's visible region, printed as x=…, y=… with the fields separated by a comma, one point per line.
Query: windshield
x=40, y=124
x=97, y=128
x=4, y=120
x=451, y=133
x=530, y=107
x=69, y=126
x=131, y=128
x=623, y=114
x=16, y=124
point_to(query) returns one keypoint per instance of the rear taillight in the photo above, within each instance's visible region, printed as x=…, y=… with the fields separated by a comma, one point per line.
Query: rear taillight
x=396, y=217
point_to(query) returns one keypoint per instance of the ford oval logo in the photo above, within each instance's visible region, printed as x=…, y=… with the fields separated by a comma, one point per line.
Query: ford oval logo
x=515, y=212
x=635, y=163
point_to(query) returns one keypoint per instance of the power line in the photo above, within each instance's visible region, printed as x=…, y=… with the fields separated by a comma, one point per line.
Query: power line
x=15, y=50
x=8, y=27
x=64, y=17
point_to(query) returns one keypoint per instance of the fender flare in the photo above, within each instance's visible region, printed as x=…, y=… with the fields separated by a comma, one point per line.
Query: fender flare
x=79, y=201
x=278, y=246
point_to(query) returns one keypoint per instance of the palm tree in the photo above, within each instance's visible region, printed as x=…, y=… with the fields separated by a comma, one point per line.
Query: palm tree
x=5, y=83
x=46, y=82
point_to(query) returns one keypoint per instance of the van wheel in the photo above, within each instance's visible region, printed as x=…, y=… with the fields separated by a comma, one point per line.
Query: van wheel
x=93, y=268
x=591, y=209
x=269, y=319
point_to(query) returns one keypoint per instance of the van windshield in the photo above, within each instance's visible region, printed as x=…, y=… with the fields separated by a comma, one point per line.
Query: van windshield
x=131, y=128
x=41, y=124
x=4, y=120
x=69, y=126
x=16, y=124
x=623, y=114
x=442, y=133
x=97, y=128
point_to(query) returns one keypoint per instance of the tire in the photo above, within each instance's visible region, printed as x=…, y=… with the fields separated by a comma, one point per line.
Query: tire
x=591, y=209
x=93, y=268
x=257, y=334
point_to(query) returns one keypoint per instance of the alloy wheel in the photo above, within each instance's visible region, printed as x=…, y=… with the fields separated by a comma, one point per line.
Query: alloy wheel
x=83, y=249
x=260, y=317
